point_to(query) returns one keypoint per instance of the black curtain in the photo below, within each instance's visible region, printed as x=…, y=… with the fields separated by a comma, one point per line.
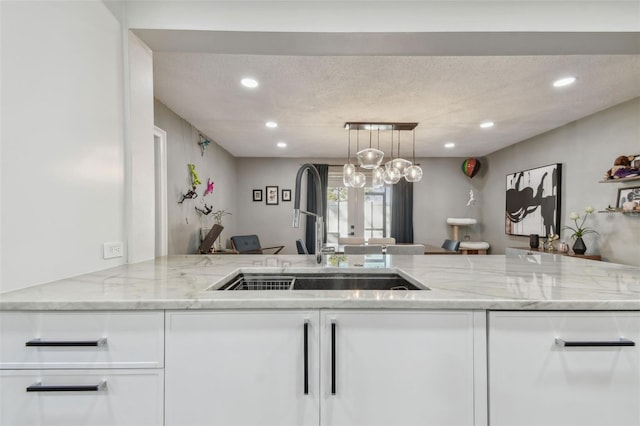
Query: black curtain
x=310, y=234
x=402, y=212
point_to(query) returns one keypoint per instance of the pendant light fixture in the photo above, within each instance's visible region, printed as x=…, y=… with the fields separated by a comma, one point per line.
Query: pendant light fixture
x=349, y=169
x=391, y=173
x=358, y=180
x=370, y=158
x=377, y=173
x=414, y=172
x=399, y=163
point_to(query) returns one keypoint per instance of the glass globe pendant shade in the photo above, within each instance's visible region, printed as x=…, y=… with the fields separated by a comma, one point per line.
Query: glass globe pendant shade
x=391, y=175
x=378, y=177
x=347, y=174
x=413, y=174
x=399, y=163
x=370, y=158
x=358, y=180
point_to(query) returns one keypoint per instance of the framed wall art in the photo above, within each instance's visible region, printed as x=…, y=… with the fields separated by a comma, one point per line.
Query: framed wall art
x=286, y=195
x=533, y=201
x=628, y=194
x=257, y=195
x=271, y=193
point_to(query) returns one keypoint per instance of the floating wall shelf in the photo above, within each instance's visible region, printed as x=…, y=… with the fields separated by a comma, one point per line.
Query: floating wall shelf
x=627, y=179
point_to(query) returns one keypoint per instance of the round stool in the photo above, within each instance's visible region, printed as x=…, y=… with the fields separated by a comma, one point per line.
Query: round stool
x=474, y=247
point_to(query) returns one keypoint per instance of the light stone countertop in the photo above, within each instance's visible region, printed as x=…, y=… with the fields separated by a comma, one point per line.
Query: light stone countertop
x=514, y=281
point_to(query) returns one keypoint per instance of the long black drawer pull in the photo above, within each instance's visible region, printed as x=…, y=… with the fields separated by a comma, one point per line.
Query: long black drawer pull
x=60, y=343
x=597, y=343
x=333, y=358
x=306, y=357
x=39, y=387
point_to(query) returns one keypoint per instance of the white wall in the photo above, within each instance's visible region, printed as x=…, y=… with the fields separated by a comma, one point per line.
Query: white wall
x=586, y=148
x=62, y=148
x=216, y=163
x=140, y=201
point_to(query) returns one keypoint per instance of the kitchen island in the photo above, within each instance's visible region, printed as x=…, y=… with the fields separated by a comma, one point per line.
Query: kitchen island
x=495, y=340
x=539, y=281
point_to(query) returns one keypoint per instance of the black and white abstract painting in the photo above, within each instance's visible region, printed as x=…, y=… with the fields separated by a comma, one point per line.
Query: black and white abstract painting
x=533, y=201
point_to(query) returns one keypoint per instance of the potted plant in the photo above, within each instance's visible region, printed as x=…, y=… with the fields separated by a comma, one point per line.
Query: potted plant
x=580, y=230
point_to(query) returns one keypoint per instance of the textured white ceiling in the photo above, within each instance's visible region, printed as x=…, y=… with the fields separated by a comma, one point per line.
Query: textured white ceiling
x=311, y=97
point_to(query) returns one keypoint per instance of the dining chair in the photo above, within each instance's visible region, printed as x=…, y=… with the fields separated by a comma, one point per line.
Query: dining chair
x=363, y=249
x=383, y=241
x=350, y=240
x=302, y=249
x=406, y=249
x=250, y=244
x=451, y=245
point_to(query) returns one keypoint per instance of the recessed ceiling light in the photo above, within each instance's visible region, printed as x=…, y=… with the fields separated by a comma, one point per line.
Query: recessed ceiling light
x=449, y=145
x=271, y=124
x=282, y=144
x=564, y=82
x=249, y=82
x=487, y=124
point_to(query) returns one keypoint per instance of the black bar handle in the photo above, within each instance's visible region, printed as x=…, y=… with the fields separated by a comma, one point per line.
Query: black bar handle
x=39, y=387
x=598, y=343
x=60, y=343
x=333, y=357
x=306, y=357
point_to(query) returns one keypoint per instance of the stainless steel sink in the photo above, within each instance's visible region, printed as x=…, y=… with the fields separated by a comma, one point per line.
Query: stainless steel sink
x=329, y=281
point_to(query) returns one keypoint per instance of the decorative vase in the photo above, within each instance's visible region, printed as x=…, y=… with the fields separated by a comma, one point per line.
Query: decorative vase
x=579, y=247
x=534, y=241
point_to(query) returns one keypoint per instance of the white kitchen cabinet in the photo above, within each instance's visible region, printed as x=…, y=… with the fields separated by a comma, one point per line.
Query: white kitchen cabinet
x=125, y=339
x=564, y=368
x=398, y=368
x=81, y=368
x=241, y=368
x=391, y=368
x=123, y=397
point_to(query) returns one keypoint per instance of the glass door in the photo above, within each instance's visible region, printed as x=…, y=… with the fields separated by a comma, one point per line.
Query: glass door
x=356, y=212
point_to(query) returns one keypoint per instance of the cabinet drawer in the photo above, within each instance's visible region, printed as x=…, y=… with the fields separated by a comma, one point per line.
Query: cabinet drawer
x=81, y=339
x=126, y=397
x=569, y=368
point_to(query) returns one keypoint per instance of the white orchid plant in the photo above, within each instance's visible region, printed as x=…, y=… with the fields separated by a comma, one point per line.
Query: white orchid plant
x=580, y=230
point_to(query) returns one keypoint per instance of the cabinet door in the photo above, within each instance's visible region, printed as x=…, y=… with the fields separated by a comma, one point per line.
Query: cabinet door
x=241, y=368
x=397, y=368
x=101, y=397
x=535, y=380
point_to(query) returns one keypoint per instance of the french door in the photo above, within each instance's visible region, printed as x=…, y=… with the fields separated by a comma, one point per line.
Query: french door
x=357, y=212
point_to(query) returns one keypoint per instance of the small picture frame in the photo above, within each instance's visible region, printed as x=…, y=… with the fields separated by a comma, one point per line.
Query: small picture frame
x=286, y=195
x=271, y=195
x=257, y=195
x=628, y=194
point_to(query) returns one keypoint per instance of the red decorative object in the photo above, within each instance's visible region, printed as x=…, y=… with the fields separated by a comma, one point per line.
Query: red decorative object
x=471, y=167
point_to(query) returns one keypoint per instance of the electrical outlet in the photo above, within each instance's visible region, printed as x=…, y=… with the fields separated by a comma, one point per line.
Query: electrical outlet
x=112, y=250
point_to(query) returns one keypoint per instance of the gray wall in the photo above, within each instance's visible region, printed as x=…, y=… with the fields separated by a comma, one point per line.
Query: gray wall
x=217, y=164
x=443, y=192
x=586, y=148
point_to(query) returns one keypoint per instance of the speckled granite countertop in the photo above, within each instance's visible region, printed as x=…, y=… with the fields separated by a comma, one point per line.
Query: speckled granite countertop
x=514, y=281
